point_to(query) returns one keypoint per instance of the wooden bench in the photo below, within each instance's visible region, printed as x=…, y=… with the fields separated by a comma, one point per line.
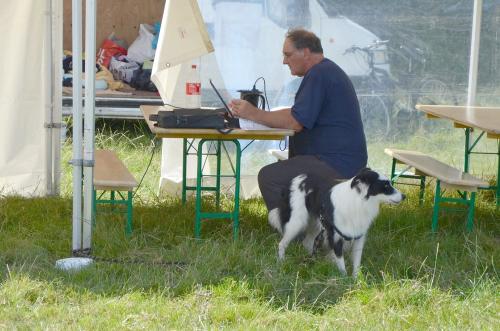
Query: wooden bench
x=447, y=177
x=111, y=175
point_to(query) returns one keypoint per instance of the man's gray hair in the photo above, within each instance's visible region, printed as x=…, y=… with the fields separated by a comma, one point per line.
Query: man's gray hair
x=302, y=38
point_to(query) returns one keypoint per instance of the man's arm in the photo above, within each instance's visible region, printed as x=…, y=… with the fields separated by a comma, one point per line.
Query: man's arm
x=282, y=118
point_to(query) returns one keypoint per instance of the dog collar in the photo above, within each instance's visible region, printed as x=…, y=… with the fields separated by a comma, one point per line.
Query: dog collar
x=344, y=236
x=347, y=238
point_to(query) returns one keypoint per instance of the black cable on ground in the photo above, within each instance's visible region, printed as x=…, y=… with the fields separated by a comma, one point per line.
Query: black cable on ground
x=149, y=164
x=178, y=264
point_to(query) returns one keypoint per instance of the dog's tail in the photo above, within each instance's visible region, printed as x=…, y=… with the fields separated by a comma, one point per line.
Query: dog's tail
x=275, y=220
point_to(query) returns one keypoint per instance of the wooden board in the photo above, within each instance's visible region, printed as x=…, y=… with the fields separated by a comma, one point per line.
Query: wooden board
x=121, y=16
x=110, y=173
x=483, y=118
x=435, y=168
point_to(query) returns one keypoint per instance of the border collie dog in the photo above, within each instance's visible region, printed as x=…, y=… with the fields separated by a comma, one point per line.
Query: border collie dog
x=336, y=217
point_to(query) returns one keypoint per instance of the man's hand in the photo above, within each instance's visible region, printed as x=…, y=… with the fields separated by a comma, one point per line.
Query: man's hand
x=275, y=119
x=243, y=109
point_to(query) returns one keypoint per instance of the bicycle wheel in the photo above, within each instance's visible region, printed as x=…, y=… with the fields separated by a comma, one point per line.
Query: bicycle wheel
x=375, y=116
x=434, y=91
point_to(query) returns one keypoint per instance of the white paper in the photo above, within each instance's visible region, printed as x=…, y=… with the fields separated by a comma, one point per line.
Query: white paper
x=251, y=125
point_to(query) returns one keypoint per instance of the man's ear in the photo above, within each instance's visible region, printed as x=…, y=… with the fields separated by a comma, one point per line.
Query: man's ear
x=307, y=52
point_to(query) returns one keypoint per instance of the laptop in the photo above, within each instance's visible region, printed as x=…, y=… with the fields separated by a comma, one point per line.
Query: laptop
x=231, y=120
x=237, y=123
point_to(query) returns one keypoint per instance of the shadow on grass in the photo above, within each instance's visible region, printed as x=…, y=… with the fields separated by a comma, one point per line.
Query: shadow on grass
x=34, y=233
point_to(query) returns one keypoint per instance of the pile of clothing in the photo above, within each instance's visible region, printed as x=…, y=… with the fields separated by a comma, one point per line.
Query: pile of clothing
x=118, y=64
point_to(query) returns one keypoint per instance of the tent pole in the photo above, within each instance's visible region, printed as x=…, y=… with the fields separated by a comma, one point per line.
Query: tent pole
x=473, y=66
x=474, y=53
x=77, y=125
x=89, y=127
x=57, y=46
x=48, y=88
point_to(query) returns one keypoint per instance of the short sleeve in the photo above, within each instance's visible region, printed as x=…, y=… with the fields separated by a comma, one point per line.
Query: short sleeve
x=309, y=99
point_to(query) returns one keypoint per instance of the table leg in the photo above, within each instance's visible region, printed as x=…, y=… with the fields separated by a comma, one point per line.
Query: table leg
x=184, y=169
x=437, y=201
x=498, y=176
x=236, y=211
x=467, y=153
x=217, y=178
x=199, y=174
x=467, y=150
x=234, y=214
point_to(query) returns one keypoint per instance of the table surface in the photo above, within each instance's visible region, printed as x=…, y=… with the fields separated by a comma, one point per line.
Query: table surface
x=483, y=118
x=268, y=134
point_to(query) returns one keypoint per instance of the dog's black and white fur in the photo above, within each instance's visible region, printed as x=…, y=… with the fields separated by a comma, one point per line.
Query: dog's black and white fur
x=337, y=217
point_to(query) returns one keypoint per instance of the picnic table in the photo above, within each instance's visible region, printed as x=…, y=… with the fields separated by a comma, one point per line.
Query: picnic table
x=211, y=135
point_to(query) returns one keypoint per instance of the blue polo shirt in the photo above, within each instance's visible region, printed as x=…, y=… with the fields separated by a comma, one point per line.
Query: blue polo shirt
x=327, y=107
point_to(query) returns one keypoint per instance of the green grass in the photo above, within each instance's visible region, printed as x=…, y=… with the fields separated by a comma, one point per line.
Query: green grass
x=410, y=279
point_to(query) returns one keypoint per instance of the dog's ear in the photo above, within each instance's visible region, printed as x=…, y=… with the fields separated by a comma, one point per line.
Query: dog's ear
x=366, y=176
x=355, y=183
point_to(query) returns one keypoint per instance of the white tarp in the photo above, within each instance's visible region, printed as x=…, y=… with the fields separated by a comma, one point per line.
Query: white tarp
x=183, y=38
x=23, y=98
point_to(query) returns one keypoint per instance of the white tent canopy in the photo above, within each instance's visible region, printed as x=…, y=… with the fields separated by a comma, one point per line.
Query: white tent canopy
x=29, y=101
x=30, y=95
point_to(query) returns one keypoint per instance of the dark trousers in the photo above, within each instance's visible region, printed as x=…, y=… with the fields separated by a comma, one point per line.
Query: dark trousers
x=275, y=177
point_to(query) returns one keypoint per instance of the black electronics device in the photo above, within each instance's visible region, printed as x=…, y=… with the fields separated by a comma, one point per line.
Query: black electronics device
x=254, y=96
x=190, y=118
x=197, y=118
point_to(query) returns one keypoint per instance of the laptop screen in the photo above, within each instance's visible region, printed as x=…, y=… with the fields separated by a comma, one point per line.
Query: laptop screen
x=221, y=99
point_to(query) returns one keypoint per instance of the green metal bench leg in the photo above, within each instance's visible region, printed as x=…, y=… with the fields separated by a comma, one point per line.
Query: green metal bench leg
x=437, y=201
x=113, y=202
x=393, y=170
x=128, y=225
x=470, y=212
x=422, y=181
x=422, y=191
x=94, y=207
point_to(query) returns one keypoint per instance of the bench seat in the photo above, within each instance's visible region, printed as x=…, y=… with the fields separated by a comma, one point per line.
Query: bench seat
x=447, y=177
x=111, y=175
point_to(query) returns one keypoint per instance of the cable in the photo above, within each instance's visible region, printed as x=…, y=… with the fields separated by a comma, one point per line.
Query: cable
x=167, y=104
x=254, y=84
x=147, y=168
x=266, y=100
x=265, y=95
x=178, y=264
x=284, y=147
